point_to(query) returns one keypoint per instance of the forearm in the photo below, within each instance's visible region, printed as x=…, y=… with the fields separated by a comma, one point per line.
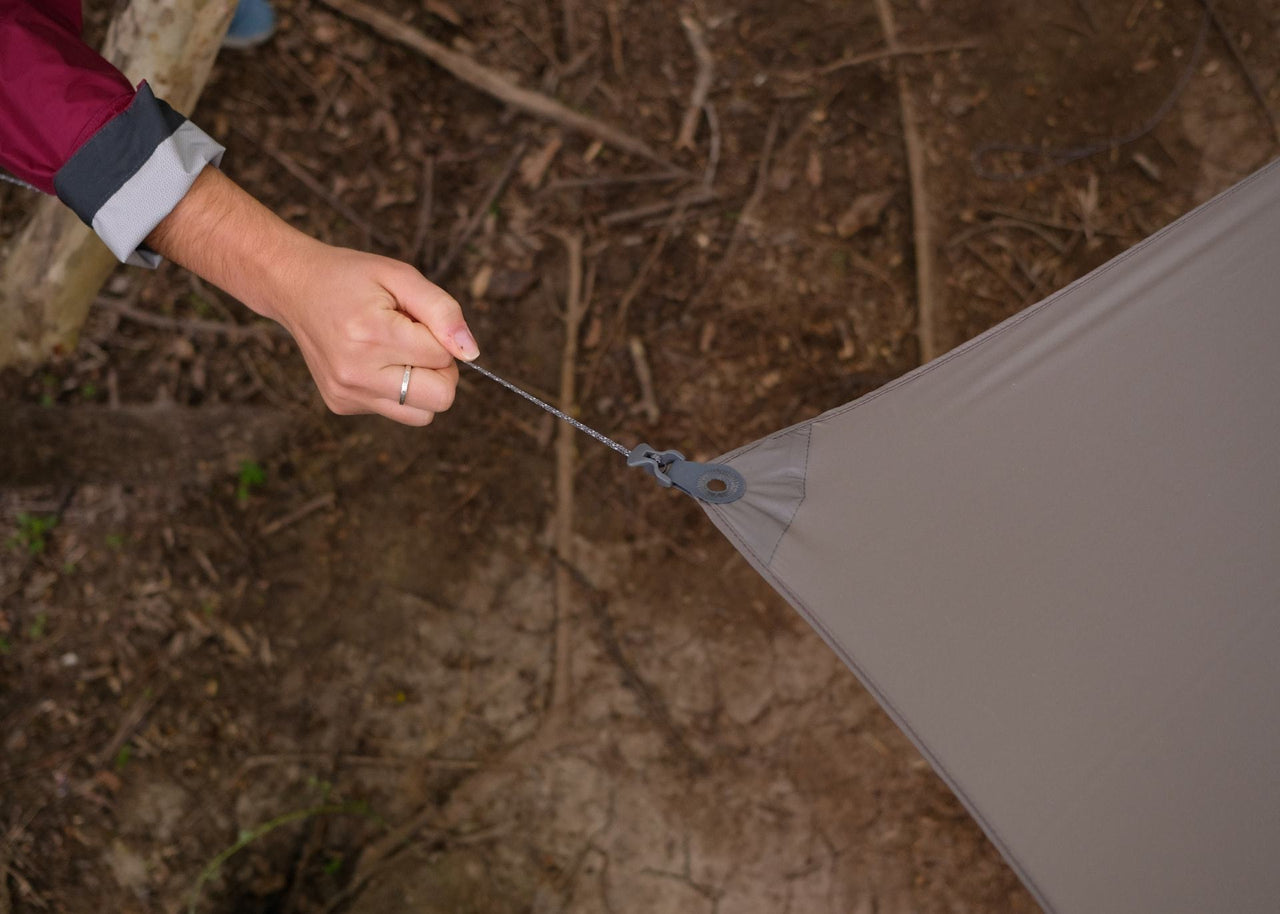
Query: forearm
x=222, y=234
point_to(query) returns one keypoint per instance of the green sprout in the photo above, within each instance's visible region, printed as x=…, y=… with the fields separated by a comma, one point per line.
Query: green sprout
x=251, y=476
x=33, y=530
x=38, y=626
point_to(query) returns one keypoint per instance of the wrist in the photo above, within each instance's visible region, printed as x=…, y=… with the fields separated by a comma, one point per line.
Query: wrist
x=225, y=236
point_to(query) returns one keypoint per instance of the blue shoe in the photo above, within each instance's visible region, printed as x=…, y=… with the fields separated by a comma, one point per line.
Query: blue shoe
x=253, y=23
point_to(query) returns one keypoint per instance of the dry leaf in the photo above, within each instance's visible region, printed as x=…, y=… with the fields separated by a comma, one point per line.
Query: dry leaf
x=1148, y=167
x=864, y=212
x=534, y=168
x=445, y=11
x=595, y=330
x=813, y=171
x=480, y=282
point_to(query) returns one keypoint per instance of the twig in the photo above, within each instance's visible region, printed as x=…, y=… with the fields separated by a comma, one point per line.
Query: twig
x=441, y=272
x=1004, y=223
x=859, y=60
x=629, y=295
x=1234, y=48
x=701, y=82
x=648, y=402
x=713, y=150
x=191, y=325
x=326, y=102
x=995, y=268
x=748, y=209
x=486, y=80
x=420, y=251
x=926, y=330
x=647, y=177
x=1046, y=221
x=303, y=177
x=569, y=15
x=566, y=458
x=615, y=38
x=311, y=507
x=696, y=197
x=145, y=701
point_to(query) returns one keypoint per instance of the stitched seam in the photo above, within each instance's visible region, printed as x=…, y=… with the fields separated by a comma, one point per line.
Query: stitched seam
x=804, y=487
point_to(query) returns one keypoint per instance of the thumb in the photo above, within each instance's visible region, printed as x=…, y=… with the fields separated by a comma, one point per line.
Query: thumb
x=435, y=308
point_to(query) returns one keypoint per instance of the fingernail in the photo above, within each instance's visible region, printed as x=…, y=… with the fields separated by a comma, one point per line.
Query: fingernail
x=466, y=344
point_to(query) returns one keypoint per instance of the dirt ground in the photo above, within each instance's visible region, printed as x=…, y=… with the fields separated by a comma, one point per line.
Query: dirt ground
x=258, y=658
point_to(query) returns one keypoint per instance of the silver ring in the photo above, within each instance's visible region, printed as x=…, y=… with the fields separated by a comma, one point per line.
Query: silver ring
x=404, y=383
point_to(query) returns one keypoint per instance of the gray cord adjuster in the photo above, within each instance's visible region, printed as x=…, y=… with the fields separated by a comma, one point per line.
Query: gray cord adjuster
x=716, y=483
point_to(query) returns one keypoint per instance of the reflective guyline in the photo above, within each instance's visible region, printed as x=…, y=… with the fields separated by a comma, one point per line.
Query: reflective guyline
x=599, y=436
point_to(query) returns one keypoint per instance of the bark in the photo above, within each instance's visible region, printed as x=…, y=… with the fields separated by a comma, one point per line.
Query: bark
x=54, y=267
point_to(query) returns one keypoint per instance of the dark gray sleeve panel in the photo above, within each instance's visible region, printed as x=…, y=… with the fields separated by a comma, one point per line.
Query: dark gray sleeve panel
x=1054, y=557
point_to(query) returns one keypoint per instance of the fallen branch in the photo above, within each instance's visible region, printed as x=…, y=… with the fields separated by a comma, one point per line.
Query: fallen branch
x=566, y=458
x=701, y=82
x=318, y=503
x=441, y=272
x=926, y=329
x=257, y=331
x=490, y=82
x=867, y=57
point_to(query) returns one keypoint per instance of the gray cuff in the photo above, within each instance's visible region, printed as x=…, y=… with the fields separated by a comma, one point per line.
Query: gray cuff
x=133, y=211
x=131, y=174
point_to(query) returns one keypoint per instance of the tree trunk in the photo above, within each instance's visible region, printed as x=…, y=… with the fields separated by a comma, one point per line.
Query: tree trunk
x=55, y=266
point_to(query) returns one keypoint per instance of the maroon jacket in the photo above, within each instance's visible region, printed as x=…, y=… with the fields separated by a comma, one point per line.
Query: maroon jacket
x=71, y=124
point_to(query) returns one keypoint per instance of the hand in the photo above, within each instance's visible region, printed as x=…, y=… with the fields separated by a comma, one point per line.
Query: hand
x=358, y=318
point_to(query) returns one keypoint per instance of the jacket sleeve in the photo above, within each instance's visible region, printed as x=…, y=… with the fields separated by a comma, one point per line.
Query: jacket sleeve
x=71, y=124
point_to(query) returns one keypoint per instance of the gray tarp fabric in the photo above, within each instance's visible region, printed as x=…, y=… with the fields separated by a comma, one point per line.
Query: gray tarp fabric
x=1053, y=555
